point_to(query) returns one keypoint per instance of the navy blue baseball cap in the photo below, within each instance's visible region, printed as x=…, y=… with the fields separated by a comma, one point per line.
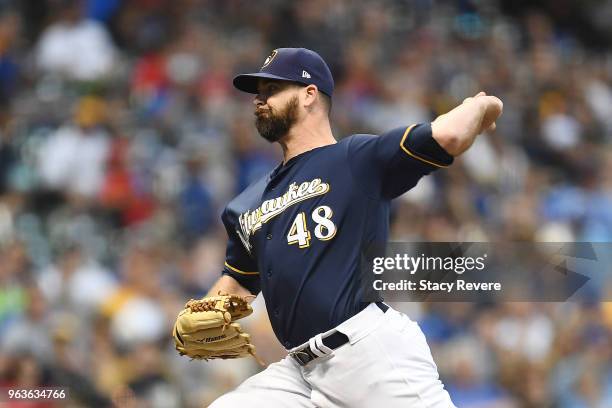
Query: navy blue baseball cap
x=290, y=64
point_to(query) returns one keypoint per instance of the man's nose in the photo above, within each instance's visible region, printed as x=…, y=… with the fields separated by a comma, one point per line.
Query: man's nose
x=258, y=101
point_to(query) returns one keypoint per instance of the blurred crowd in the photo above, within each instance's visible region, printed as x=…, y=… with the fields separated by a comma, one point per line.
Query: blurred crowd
x=121, y=140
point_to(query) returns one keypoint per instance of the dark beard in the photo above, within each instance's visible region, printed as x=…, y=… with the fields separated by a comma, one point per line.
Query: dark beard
x=273, y=126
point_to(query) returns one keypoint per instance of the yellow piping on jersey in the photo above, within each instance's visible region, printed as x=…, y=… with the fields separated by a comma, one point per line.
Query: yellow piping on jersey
x=412, y=154
x=239, y=271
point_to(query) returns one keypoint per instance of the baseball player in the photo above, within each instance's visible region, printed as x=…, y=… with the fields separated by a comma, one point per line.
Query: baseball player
x=298, y=235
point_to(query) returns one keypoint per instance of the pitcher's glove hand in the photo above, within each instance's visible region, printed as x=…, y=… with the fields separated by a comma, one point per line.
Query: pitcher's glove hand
x=206, y=329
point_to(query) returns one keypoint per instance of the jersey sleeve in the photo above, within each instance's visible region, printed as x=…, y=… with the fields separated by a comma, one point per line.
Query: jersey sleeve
x=390, y=164
x=239, y=264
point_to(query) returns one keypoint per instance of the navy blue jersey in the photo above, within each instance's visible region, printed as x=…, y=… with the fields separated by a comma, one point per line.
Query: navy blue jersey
x=298, y=234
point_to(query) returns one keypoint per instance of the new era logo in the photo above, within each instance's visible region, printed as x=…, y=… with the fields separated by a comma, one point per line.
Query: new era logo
x=305, y=74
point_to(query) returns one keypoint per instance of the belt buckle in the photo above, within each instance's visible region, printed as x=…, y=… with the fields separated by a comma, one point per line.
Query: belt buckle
x=302, y=356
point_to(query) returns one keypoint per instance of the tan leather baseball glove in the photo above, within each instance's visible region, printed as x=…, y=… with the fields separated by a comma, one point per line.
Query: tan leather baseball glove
x=206, y=329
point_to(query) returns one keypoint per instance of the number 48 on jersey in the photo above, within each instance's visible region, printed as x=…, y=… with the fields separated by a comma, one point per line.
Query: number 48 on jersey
x=324, y=229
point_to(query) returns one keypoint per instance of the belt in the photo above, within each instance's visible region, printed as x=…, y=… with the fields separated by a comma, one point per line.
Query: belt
x=305, y=355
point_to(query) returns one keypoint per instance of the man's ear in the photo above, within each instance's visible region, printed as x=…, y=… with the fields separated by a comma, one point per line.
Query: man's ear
x=310, y=95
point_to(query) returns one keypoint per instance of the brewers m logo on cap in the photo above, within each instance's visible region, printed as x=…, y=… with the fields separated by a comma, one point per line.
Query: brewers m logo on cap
x=269, y=59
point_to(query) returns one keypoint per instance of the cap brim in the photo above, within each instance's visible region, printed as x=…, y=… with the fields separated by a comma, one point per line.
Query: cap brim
x=248, y=82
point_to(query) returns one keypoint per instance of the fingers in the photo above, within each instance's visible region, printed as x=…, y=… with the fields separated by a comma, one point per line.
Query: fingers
x=499, y=103
x=495, y=107
x=479, y=94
